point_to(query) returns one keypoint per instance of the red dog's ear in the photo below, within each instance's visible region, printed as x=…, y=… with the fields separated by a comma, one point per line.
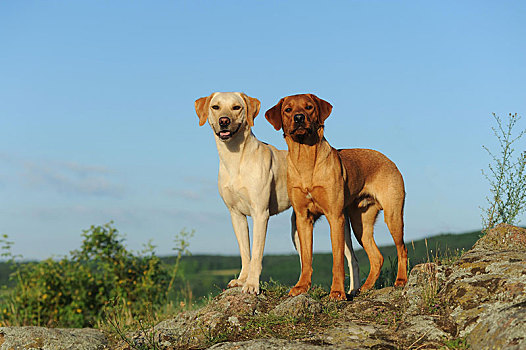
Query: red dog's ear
x=324, y=107
x=273, y=115
x=201, y=108
x=253, y=106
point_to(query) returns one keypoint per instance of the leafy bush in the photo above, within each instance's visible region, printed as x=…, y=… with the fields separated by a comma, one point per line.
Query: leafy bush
x=78, y=291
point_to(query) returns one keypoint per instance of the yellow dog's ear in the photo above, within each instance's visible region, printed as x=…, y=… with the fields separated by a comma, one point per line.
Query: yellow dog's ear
x=201, y=108
x=253, y=106
x=273, y=115
x=324, y=107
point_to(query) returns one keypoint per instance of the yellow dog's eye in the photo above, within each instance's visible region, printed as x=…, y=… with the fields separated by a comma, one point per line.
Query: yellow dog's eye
x=308, y=107
x=288, y=110
x=235, y=108
x=215, y=107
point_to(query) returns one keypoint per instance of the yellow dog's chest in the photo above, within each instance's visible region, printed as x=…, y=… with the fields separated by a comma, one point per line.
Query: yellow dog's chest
x=235, y=194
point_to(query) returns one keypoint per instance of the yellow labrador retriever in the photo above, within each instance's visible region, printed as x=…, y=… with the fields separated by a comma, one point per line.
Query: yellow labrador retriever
x=252, y=181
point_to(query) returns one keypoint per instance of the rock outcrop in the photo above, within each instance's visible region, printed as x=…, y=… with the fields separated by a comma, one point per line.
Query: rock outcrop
x=479, y=299
x=485, y=291
x=21, y=338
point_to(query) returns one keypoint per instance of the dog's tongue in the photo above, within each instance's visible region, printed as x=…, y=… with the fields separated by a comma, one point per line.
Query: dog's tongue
x=224, y=133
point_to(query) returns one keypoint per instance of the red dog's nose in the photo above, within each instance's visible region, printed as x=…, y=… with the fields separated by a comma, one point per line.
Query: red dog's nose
x=299, y=118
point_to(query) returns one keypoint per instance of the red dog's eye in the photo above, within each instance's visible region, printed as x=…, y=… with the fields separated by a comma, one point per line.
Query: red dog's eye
x=215, y=107
x=235, y=108
x=288, y=110
x=308, y=107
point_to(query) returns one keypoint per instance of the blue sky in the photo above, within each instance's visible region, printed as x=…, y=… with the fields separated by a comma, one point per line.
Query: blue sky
x=97, y=119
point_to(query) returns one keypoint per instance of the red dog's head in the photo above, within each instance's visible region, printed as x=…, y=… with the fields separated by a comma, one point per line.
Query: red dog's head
x=301, y=117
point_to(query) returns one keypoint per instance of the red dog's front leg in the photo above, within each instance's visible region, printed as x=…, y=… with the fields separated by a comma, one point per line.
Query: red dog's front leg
x=337, y=225
x=304, y=225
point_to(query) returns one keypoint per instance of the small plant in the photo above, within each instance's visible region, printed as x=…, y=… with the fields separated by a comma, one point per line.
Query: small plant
x=507, y=176
x=388, y=273
x=119, y=322
x=181, y=249
x=451, y=256
x=430, y=301
x=269, y=325
x=274, y=288
x=317, y=292
x=214, y=337
x=6, y=247
x=457, y=344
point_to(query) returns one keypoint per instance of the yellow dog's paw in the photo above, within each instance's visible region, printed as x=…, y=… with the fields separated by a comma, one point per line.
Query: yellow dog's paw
x=251, y=288
x=236, y=283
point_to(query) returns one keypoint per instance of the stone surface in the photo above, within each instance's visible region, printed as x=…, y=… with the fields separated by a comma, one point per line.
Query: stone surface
x=266, y=344
x=481, y=298
x=503, y=237
x=196, y=329
x=26, y=338
x=486, y=290
x=351, y=335
x=299, y=306
x=425, y=327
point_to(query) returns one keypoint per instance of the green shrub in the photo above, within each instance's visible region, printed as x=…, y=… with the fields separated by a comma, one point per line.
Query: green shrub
x=77, y=291
x=507, y=176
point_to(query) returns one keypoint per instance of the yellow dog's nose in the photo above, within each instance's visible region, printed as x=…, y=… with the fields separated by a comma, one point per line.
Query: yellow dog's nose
x=224, y=121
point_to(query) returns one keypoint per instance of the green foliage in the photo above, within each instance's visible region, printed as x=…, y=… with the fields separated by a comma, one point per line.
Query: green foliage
x=459, y=344
x=181, y=248
x=274, y=289
x=430, y=299
x=317, y=292
x=388, y=273
x=507, y=177
x=120, y=325
x=79, y=290
x=9, y=264
x=6, y=246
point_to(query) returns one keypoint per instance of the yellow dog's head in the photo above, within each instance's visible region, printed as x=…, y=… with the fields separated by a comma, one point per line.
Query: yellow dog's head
x=228, y=113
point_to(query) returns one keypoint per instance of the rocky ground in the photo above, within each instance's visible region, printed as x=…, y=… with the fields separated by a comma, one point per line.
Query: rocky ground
x=477, y=301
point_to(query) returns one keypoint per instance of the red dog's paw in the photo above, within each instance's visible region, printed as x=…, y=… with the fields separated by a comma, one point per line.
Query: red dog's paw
x=297, y=290
x=337, y=295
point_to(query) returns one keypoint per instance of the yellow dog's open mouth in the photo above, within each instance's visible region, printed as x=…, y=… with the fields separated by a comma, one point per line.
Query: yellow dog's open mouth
x=227, y=134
